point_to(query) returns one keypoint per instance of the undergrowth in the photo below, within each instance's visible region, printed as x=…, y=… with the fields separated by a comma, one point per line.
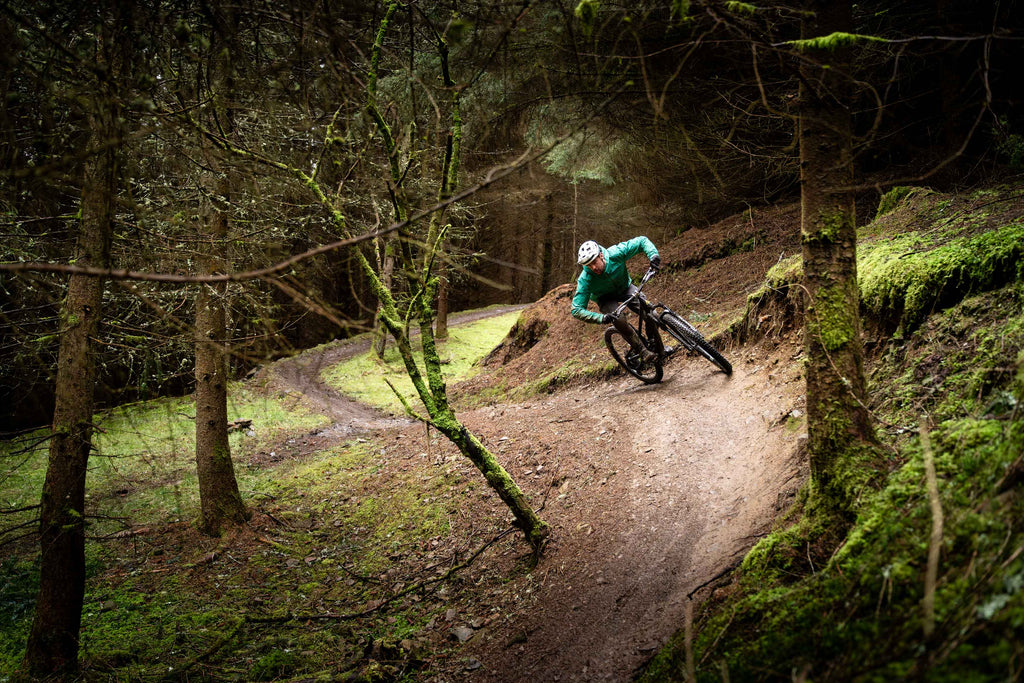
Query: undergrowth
x=142, y=466
x=852, y=607
x=341, y=572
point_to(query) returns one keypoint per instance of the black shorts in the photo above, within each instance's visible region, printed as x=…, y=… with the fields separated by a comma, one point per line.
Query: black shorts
x=609, y=302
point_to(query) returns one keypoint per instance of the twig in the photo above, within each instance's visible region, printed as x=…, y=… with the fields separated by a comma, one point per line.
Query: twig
x=1011, y=558
x=935, y=542
x=177, y=673
x=360, y=577
x=711, y=648
x=15, y=539
x=11, y=511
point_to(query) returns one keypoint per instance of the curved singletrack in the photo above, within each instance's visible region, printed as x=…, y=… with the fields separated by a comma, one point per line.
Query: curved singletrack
x=687, y=474
x=652, y=491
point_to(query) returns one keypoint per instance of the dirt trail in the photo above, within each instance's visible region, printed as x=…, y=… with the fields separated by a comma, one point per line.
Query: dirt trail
x=302, y=374
x=651, y=492
x=687, y=474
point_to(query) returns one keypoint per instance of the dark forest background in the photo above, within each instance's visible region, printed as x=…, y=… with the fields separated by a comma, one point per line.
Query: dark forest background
x=664, y=116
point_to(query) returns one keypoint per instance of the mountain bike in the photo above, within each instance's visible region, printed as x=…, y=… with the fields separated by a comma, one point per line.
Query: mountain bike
x=662, y=317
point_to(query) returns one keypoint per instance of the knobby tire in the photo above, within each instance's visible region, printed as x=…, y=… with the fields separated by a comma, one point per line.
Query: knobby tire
x=622, y=351
x=687, y=334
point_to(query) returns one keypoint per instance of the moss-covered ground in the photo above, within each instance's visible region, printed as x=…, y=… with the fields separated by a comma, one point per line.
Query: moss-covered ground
x=345, y=561
x=941, y=277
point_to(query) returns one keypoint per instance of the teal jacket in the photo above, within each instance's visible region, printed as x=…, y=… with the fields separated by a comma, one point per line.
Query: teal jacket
x=614, y=279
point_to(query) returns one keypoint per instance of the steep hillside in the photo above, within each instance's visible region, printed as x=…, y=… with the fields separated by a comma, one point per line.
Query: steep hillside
x=943, y=297
x=377, y=552
x=941, y=281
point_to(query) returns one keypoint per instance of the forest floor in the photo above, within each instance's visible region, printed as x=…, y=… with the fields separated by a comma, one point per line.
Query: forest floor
x=377, y=552
x=652, y=491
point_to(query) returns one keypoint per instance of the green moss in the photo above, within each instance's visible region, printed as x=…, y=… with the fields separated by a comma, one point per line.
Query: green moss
x=19, y=583
x=905, y=278
x=148, y=449
x=275, y=665
x=741, y=8
x=833, y=41
x=962, y=361
x=784, y=274
x=965, y=368
x=832, y=323
x=870, y=590
x=829, y=227
x=893, y=198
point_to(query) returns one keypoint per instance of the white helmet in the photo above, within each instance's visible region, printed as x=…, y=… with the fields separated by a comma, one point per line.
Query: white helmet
x=589, y=251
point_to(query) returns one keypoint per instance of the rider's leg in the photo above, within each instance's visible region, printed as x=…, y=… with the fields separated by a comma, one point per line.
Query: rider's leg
x=651, y=325
x=608, y=304
x=654, y=334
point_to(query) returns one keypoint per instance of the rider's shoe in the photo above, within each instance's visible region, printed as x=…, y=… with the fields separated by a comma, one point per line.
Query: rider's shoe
x=669, y=350
x=648, y=356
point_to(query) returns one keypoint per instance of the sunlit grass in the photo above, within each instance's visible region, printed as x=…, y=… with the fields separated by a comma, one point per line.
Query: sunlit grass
x=147, y=449
x=363, y=377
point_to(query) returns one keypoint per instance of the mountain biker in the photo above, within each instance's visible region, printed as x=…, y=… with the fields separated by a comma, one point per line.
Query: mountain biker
x=605, y=280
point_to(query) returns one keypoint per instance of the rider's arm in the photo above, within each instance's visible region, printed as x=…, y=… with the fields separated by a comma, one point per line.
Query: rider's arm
x=579, y=306
x=630, y=248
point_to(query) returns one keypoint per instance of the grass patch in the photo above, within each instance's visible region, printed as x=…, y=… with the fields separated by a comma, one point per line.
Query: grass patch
x=143, y=465
x=363, y=377
x=333, y=532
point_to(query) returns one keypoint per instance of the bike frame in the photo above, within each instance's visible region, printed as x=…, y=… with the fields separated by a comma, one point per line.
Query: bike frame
x=656, y=310
x=663, y=317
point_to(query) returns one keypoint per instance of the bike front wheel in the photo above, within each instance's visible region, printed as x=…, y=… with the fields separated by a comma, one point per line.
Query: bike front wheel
x=629, y=358
x=688, y=336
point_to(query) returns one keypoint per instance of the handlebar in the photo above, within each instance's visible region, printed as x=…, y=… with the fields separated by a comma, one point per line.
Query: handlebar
x=635, y=295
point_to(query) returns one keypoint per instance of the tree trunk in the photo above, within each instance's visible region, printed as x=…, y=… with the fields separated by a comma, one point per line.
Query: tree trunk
x=838, y=425
x=53, y=640
x=434, y=395
x=219, y=498
x=422, y=283
x=441, y=322
x=386, y=268
x=526, y=519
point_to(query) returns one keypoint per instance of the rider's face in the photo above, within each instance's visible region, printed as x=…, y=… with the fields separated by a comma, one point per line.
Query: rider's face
x=597, y=265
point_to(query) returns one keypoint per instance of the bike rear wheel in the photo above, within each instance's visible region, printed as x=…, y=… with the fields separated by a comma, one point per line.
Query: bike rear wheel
x=629, y=358
x=688, y=336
